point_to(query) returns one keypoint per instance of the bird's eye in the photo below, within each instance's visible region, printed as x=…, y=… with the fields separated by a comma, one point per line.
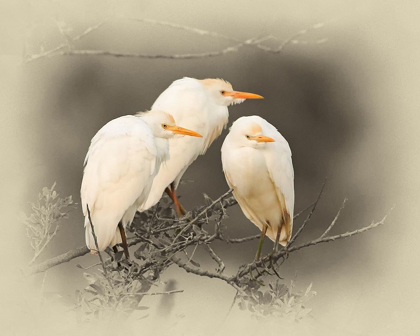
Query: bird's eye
x=222, y=92
x=164, y=126
x=248, y=137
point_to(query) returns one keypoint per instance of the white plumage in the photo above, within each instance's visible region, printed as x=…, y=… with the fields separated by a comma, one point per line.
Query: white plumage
x=257, y=163
x=123, y=158
x=201, y=105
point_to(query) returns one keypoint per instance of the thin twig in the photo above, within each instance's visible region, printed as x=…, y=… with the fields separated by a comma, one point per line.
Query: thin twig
x=309, y=216
x=339, y=236
x=304, y=210
x=99, y=252
x=295, y=36
x=200, y=272
x=241, y=240
x=58, y=51
x=67, y=37
x=39, y=251
x=230, y=49
x=202, y=213
x=164, y=293
x=335, y=219
x=89, y=267
x=64, y=45
x=70, y=255
x=189, y=29
x=192, y=254
x=276, y=256
x=172, y=227
x=216, y=258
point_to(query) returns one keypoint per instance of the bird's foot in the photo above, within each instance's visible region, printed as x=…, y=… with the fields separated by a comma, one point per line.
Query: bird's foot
x=273, y=266
x=286, y=251
x=266, y=269
x=261, y=270
x=251, y=275
x=182, y=209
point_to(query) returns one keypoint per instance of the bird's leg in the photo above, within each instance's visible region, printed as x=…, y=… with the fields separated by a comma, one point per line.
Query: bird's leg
x=262, y=260
x=178, y=207
x=169, y=192
x=175, y=200
x=124, y=240
x=115, y=249
x=254, y=278
x=263, y=232
x=257, y=257
x=276, y=243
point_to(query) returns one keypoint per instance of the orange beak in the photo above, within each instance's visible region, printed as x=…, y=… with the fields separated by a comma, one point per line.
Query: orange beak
x=242, y=95
x=184, y=131
x=262, y=138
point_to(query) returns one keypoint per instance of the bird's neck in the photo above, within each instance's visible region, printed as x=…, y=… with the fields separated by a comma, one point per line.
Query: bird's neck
x=162, y=148
x=218, y=120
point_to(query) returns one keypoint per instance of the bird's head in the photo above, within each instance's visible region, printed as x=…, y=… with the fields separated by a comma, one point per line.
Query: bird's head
x=248, y=132
x=223, y=93
x=163, y=125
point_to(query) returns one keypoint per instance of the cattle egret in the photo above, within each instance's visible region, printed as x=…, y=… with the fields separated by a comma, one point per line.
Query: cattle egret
x=257, y=163
x=123, y=158
x=201, y=105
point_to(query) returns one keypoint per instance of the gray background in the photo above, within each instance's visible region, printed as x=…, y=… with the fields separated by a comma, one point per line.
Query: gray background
x=348, y=107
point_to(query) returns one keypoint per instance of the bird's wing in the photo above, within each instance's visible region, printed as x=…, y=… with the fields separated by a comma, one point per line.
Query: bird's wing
x=229, y=161
x=246, y=209
x=119, y=165
x=280, y=170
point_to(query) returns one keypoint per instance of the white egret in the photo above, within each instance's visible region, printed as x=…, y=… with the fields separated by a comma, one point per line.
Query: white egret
x=201, y=105
x=123, y=158
x=257, y=162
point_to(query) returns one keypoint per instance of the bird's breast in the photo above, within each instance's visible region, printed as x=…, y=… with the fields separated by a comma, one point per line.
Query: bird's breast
x=248, y=169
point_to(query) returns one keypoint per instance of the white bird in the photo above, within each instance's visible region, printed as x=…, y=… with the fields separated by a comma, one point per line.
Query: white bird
x=257, y=162
x=201, y=105
x=123, y=158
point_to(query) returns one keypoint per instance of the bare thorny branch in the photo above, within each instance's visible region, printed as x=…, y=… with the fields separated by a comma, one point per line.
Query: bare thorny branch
x=122, y=284
x=67, y=48
x=159, y=247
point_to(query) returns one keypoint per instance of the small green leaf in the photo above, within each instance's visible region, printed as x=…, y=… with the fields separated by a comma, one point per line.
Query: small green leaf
x=267, y=297
x=141, y=308
x=89, y=277
x=242, y=305
x=196, y=264
x=308, y=289
x=98, y=289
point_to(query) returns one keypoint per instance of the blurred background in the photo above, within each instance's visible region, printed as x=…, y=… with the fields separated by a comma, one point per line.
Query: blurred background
x=345, y=97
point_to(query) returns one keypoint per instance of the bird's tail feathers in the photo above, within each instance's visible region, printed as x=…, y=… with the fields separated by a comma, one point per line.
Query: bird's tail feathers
x=106, y=233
